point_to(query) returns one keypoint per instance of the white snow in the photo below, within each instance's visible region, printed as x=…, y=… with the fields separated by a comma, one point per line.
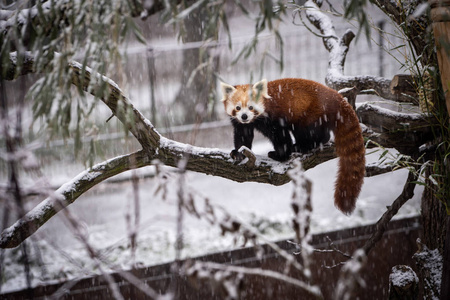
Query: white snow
x=402, y=276
x=390, y=113
x=431, y=261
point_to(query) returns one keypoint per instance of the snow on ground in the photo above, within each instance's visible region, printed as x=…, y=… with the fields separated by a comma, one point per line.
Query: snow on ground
x=102, y=213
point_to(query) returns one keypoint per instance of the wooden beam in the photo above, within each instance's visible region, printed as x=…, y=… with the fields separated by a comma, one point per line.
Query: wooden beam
x=440, y=15
x=404, y=84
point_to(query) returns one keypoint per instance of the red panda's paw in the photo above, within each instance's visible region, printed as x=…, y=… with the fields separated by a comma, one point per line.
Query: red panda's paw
x=237, y=156
x=275, y=156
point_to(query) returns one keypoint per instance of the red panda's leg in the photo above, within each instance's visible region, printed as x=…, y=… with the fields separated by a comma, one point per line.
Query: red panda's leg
x=243, y=136
x=278, y=133
x=308, y=138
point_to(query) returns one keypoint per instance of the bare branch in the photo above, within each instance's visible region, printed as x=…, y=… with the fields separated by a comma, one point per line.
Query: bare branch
x=407, y=193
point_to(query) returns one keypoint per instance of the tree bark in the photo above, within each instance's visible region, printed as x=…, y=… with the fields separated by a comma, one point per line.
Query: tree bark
x=402, y=131
x=440, y=15
x=445, y=286
x=404, y=84
x=433, y=216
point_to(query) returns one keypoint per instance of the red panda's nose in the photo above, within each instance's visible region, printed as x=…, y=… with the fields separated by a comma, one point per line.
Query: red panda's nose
x=244, y=117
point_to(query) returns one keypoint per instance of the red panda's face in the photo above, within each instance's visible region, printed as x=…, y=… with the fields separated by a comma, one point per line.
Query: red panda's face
x=243, y=102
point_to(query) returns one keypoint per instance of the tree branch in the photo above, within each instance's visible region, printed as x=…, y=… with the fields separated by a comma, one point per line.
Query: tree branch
x=407, y=193
x=375, y=169
x=402, y=131
x=338, y=48
x=67, y=194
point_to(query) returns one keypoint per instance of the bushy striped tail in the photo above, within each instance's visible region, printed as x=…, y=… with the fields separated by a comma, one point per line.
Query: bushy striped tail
x=351, y=152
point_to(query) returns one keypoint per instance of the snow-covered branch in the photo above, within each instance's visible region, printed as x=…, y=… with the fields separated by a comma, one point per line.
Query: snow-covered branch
x=67, y=194
x=402, y=131
x=205, y=160
x=155, y=147
x=338, y=48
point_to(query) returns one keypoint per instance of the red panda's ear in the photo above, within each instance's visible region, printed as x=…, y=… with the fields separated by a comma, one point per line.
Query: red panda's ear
x=227, y=90
x=260, y=88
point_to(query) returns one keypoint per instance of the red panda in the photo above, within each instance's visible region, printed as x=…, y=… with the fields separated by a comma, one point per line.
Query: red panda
x=309, y=111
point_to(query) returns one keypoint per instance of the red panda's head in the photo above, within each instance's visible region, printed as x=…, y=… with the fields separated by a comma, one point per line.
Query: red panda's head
x=243, y=102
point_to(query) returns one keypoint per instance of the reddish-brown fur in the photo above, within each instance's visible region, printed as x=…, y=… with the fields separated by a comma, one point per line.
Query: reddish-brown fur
x=305, y=103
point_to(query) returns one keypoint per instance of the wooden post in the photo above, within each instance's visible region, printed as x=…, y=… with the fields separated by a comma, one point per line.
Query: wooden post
x=404, y=84
x=440, y=15
x=403, y=283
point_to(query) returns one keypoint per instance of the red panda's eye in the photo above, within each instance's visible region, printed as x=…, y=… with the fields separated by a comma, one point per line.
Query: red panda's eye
x=250, y=107
x=238, y=107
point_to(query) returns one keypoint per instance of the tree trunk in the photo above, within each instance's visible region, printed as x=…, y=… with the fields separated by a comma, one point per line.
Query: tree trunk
x=445, y=286
x=440, y=15
x=433, y=217
x=434, y=231
x=197, y=78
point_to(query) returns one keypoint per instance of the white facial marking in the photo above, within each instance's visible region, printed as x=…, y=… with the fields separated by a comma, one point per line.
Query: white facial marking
x=247, y=114
x=227, y=91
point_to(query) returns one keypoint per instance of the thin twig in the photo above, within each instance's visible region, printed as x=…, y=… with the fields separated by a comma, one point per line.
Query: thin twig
x=332, y=249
